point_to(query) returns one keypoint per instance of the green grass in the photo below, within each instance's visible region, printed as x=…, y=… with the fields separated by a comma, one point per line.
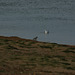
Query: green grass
x=73, y=60
x=1, y=43
x=2, y=70
x=6, y=40
x=46, y=71
x=72, y=48
x=61, y=57
x=69, y=51
x=30, y=43
x=11, y=47
x=27, y=45
x=15, y=58
x=46, y=46
x=70, y=68
x=66, y=63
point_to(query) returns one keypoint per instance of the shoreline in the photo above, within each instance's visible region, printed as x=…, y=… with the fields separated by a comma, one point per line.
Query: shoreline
x=19, y=38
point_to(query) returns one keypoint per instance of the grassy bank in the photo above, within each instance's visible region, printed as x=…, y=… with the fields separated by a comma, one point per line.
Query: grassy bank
x=27, y=57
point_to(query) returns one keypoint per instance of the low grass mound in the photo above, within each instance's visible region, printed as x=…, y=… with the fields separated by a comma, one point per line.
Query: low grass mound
x=28, y=57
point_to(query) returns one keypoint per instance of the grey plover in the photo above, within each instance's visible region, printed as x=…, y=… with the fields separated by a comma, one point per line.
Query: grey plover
x=35, y=38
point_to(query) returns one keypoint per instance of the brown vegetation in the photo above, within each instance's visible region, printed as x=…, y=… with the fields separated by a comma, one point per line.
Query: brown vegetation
x=28, y=57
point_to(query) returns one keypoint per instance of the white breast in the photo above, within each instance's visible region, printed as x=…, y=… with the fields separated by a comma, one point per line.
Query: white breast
x=46, y=32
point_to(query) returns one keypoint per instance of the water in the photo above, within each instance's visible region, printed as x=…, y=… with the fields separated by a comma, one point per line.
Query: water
x=29, y=18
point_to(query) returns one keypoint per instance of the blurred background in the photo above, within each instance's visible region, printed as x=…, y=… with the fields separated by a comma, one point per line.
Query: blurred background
x=30, y=18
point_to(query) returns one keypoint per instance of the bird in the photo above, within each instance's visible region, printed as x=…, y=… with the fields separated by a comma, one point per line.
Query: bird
x=46, y=32
x=35, y=38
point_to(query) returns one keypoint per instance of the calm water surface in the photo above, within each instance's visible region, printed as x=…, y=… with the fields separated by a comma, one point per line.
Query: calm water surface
x=29, y=18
